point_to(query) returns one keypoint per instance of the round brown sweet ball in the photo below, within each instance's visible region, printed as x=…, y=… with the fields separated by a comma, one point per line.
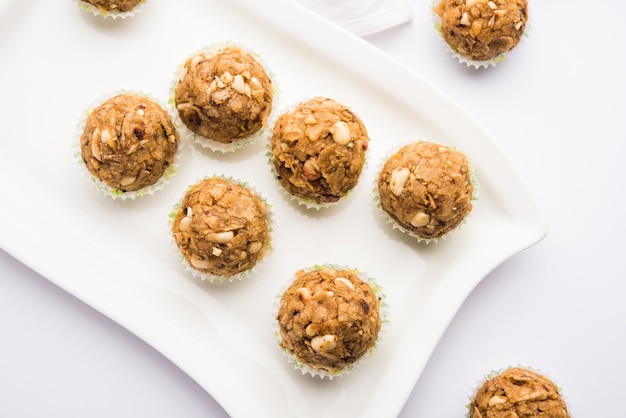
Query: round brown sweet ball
x=128, y=142
x=426, y=188
x=328, y=318
x=221, y=227
x=224, y=94
x=318, y=150
x=114, y=5
x=482, y=29
x=518, y=392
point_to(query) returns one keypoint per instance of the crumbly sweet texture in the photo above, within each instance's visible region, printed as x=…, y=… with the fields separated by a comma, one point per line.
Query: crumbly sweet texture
x=328, y=318
x=128, y=142
x=482, y=29
x=114, y=5
x=221, y=227
x=426, y=188
x=224, y=94
x=318, y=150
x=518, y=393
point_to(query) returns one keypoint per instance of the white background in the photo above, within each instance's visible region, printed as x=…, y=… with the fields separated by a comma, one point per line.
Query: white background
x=557, y=108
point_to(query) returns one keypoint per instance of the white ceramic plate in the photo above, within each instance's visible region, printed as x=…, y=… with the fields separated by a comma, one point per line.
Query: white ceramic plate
x=116, y=256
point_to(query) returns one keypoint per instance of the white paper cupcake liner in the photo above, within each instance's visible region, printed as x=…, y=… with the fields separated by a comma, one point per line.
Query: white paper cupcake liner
x=495, y=372
x=395, y=225
x=306, y=369
x=238, y=144
x=308, y=203
x=436, y=20
x=102, y=186
x=96, y=11
x=211, y=278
